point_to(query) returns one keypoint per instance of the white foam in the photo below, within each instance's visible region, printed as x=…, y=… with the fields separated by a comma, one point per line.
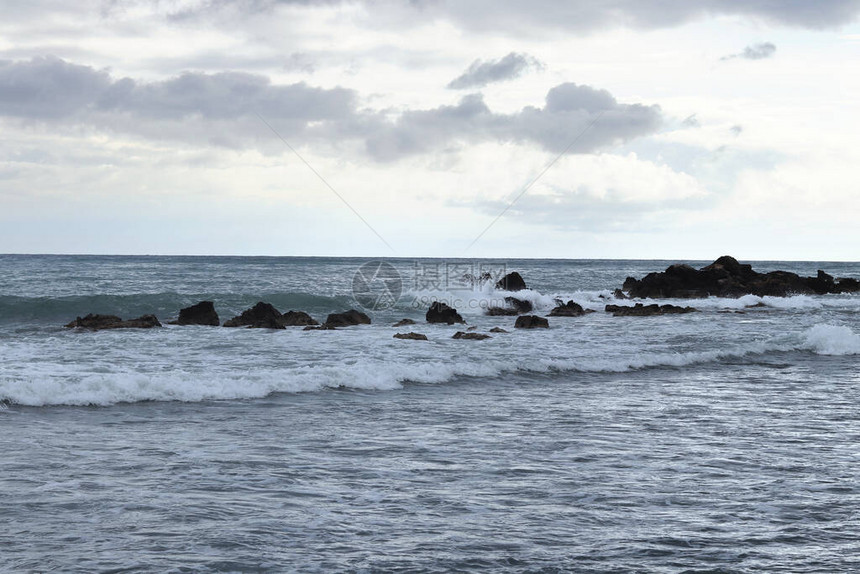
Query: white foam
x=826, y=339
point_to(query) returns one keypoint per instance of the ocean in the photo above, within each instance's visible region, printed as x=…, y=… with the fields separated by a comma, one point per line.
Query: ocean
x=726, y=440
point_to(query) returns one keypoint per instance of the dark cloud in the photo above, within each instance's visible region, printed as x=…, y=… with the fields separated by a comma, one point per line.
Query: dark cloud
x=754, y=52
x=581, y=117
x=481, y=73
x=221, y=109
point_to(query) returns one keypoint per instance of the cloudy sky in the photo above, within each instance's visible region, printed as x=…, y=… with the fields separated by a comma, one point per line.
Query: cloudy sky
x=623, y=129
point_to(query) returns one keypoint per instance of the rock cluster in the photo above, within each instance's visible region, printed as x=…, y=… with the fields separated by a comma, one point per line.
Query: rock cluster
x=99, y=322
x=640, y=310
x=726, y=277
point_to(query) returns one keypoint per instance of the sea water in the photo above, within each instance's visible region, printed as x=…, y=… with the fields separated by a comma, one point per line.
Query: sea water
x=726, y=440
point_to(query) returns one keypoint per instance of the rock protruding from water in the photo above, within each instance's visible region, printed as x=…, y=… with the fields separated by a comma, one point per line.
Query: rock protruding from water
x=203, y=313
x=297, y=319
x=346, y=319
x=513, y=306
x=260, y=316
x=569, y=309
x=411, y=336
x=403, y=323
x=441, y=313
x=726, y=277
x=497, y=330
x=470, y=336
x=531, y=322
x=511, y=282
x=640, y=310
x=99, y=322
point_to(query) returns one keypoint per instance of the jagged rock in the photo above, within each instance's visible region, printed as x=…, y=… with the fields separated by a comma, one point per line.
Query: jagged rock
x=471, y=336
x=511, y=282
x=640, y=310
x=497, y=330
x=520, y=305
x=513, y=306
x=202, y=313
x=411, y=336
x=347, y=319
x=99, y=322
x=297, y=319
x=403, y=323
x=531, y=322
x=726, y=277
x=441, y=313
x=260, y=316
x=619, y=294
x=569, y=309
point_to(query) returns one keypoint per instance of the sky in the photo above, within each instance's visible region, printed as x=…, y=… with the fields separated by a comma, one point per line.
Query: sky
x=432, y=128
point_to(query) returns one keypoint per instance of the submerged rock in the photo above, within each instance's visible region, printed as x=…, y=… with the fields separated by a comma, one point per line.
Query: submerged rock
x=726, y=277
x=411, y=336
x=511, y=282
x=347, y=319
x=640, y=310
x=497, y=330
x=260, y=316
x=531, y=322
x=99, y=322
x=569, y=309
x=202, y=313
x=471, y=336
x=403, y=323
x=441, y=313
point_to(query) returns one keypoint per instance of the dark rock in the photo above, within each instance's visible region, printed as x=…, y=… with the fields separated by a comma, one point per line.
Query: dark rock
x=403, y=323
x=640, y=310
x=531, y=322
x=347, y=319
x=619, y=294
x=511, y=282
x=847, y=285
x=411, y=336
x=726, y=277
x=471, y=336
x=319, y=328
x=501, y=311
x=569, y=309
x=497, y=330
x=99, y=322
x=297, y=319
x=260, y=316
x=513, y=306
x=441, y=313
x=203, y=313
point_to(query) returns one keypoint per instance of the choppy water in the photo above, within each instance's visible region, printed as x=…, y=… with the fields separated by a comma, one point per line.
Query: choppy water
x=721, y=441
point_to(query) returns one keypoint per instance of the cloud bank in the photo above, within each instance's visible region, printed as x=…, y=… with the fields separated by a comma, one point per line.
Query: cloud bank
x=221, y=109
x=754, y=52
